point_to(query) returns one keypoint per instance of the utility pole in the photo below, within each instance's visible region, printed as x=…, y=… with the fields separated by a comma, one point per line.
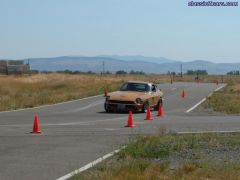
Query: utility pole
x=103, y=66
x=181, y=72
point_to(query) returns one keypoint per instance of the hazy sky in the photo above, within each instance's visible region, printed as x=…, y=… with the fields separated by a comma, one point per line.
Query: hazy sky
x=167, y=28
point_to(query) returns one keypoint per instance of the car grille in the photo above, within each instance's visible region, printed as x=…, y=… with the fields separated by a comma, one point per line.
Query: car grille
x=121, y=102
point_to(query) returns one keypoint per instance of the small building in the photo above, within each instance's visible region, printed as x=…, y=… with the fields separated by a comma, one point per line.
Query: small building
x=14, y=67
x=3, y=67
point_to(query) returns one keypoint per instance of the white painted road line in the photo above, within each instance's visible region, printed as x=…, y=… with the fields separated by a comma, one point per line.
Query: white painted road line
x=65, y=124
x=89, y=165
x=202, y=132
x=84, y=123
x=219, y=88
x=85, y=107
x=196, y=105
x=204, y=99
x=49, y=105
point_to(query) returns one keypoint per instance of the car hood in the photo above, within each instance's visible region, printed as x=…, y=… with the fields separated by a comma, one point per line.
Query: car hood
x=128, y=95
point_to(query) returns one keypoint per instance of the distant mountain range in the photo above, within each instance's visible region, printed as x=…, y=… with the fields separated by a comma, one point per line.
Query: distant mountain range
x=127, y=63
x=158, y=60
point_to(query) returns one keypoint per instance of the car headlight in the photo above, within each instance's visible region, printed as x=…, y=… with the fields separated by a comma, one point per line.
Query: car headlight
x=107, y=98
x=139, y=101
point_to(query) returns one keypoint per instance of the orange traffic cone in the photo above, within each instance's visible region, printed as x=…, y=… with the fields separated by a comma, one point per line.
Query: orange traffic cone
x=36, y=128
x=105, y=93
x=160, y=110
x=148, y=115
x=183, y=94
x=130, y=120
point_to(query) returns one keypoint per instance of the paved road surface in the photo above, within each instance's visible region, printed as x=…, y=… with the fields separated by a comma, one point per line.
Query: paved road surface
x=79, y=132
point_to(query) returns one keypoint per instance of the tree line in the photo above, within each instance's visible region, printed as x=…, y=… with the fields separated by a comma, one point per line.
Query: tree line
x=190, y=72
x=122, y=72
x=119, y=72
x=233, y=73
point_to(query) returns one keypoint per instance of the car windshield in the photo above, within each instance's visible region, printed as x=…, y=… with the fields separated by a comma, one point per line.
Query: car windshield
x=135, y=87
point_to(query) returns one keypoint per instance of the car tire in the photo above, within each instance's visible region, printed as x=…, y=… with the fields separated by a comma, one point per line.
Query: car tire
x=159, y=102
x=145, y=107
x=106, y=109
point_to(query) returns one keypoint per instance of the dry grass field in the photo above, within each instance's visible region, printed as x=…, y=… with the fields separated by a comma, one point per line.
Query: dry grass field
x=226, y=101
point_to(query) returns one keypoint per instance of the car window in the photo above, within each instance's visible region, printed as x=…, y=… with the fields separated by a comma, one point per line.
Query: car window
x=135, y=87
x=154, y=89
x=124, y=87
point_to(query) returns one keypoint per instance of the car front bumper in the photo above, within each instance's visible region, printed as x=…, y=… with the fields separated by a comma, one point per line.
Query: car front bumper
x=116, y=107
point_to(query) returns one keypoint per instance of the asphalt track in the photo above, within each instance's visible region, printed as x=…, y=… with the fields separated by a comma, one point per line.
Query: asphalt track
x=79, y=132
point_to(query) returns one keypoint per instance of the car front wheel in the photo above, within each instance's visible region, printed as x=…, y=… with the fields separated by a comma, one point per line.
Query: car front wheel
x=105, y=107
x=145, y=107
x=158, y=104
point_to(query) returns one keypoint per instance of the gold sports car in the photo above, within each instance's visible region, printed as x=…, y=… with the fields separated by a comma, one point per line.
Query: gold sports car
x=134, y=96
